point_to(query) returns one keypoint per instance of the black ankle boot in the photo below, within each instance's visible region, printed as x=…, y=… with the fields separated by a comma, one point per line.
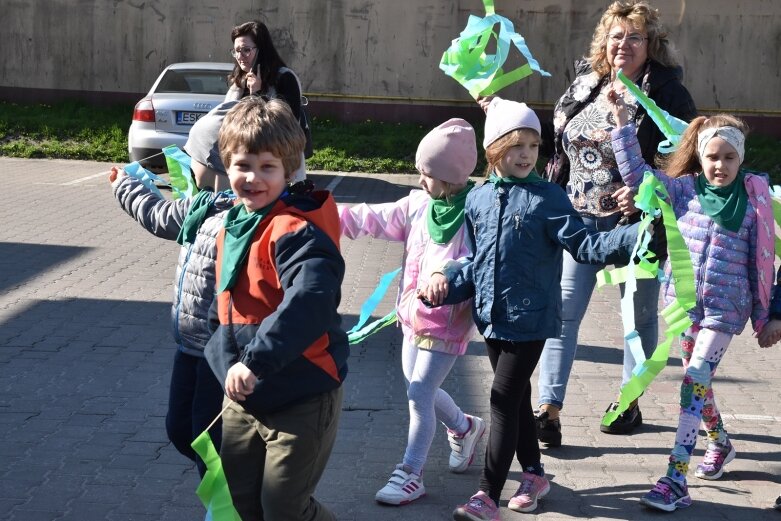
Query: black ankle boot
x=548, y=431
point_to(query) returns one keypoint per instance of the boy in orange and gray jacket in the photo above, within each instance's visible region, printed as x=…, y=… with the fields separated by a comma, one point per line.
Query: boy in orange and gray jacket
x=278, y=347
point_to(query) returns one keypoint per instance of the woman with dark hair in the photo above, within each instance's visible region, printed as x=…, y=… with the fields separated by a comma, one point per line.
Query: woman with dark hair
x=629, y=37
x=259, y=71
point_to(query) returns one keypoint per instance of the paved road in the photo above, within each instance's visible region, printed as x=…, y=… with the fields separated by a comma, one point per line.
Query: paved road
x=85, y=356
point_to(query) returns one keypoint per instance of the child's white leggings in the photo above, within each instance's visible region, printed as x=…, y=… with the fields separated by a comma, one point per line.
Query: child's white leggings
x=424, y=372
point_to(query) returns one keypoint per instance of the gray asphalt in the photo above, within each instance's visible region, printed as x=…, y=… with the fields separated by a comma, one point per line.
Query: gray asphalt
x=85, y=357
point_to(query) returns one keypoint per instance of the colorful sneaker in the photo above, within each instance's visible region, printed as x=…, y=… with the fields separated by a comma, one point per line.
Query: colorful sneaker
x=548, y=431
x=402, y=488
x=716, y=456
x=480, y=507
x=462, y=446
x=533, y=487
x=626, y=422
x=667, y=495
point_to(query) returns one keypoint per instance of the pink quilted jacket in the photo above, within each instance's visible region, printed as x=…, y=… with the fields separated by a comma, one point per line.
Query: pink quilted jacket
x=446, y=328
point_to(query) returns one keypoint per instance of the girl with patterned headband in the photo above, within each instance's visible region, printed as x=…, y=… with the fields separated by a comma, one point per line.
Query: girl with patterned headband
x=725, y=218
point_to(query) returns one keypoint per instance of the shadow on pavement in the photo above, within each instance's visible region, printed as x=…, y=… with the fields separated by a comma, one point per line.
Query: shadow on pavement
x=22, y=261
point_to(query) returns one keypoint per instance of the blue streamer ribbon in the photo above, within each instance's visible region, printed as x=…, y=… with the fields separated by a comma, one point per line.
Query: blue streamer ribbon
x=146, y=177
x=374, y=299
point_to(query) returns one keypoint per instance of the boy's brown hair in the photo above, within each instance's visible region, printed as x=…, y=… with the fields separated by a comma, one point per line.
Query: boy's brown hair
x=256, y=126
x=499, y=148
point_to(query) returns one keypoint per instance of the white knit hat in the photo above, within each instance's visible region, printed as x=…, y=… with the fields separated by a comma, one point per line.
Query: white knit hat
x=449, y=152
x=504, y=116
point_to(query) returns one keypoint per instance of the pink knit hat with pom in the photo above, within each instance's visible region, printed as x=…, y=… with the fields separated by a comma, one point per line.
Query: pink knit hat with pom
x=449, y=152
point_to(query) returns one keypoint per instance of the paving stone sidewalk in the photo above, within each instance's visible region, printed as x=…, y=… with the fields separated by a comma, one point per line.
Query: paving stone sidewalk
x=85, y=358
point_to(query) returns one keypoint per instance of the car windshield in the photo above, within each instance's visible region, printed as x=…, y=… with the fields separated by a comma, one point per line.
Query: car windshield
x=197, y=82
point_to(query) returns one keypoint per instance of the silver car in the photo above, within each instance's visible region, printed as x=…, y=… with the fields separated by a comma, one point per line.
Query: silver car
x=179, y=97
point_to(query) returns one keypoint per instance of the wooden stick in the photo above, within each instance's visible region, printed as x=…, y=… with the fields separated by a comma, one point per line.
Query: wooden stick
x=219, y=415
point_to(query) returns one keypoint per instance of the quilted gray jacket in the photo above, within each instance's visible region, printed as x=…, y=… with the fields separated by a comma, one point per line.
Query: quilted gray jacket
x=194, y=284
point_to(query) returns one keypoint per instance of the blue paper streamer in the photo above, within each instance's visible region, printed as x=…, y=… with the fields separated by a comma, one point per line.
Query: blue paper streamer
x=374, y=299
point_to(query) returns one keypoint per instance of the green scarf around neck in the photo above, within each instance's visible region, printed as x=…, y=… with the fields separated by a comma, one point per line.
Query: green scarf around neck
x=240, y=226
x=445, y=217
x=726, y=205
x=199, y=208
x=498, y=181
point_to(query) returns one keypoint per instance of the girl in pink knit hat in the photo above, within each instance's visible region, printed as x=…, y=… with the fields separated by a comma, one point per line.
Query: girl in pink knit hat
x=517, y=227
x=430, y=224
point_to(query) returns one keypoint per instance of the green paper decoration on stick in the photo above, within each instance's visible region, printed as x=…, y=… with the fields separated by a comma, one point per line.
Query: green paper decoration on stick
x=481, y=74
x=671, y=127
x=213, y=490
x=182, y=182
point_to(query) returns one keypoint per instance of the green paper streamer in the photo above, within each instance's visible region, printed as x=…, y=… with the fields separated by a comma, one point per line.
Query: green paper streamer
x=481, y=74
x=213, y=490
x=355, y=337
x=182, y=181
x=619, y=275
x=652, y=195
x=671, y=127
x=630, y=274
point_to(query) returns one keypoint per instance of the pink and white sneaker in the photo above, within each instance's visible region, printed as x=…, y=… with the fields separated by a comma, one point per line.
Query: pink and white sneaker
x=480, y=507
x=462, y=446
x=533, y=487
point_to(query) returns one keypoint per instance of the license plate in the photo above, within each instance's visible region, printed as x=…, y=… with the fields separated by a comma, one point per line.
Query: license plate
x=188, y=118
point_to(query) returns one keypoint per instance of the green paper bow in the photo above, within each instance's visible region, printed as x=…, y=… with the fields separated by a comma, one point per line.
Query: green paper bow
x=480, y=73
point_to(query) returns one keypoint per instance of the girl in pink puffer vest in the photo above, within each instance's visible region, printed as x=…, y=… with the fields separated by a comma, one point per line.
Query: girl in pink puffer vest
x=430, y=224
x=725, y=218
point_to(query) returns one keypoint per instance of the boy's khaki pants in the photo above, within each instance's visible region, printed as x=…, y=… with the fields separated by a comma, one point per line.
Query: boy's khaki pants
x=273, y=462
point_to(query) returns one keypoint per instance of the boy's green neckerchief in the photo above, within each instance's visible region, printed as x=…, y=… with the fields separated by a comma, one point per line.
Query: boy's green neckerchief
x=199, y=207
x=726, y=205
x=497, y=181
x=240, y=226
x=445, y=217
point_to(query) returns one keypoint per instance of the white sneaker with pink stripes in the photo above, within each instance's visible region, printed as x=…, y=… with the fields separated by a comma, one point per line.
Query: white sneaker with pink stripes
x=402, y=488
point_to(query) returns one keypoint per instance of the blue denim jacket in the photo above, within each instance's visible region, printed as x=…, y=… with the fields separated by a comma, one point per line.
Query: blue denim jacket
x=516, y=234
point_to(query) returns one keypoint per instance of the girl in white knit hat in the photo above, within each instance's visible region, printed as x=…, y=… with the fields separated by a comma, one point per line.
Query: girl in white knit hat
x=517, y=227
x=430, y=224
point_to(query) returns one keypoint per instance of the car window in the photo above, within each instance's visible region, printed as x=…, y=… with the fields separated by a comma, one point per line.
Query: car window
x=198, y=82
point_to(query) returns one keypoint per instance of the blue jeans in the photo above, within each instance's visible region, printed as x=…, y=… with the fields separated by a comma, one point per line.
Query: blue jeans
x=577, y=285
x=194, y=400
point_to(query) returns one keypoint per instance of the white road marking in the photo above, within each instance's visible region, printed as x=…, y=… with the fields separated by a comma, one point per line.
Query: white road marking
x=334, y=183
x=82, y=179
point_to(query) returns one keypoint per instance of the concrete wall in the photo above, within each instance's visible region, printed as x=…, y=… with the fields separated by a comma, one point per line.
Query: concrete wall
x=376, y=52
